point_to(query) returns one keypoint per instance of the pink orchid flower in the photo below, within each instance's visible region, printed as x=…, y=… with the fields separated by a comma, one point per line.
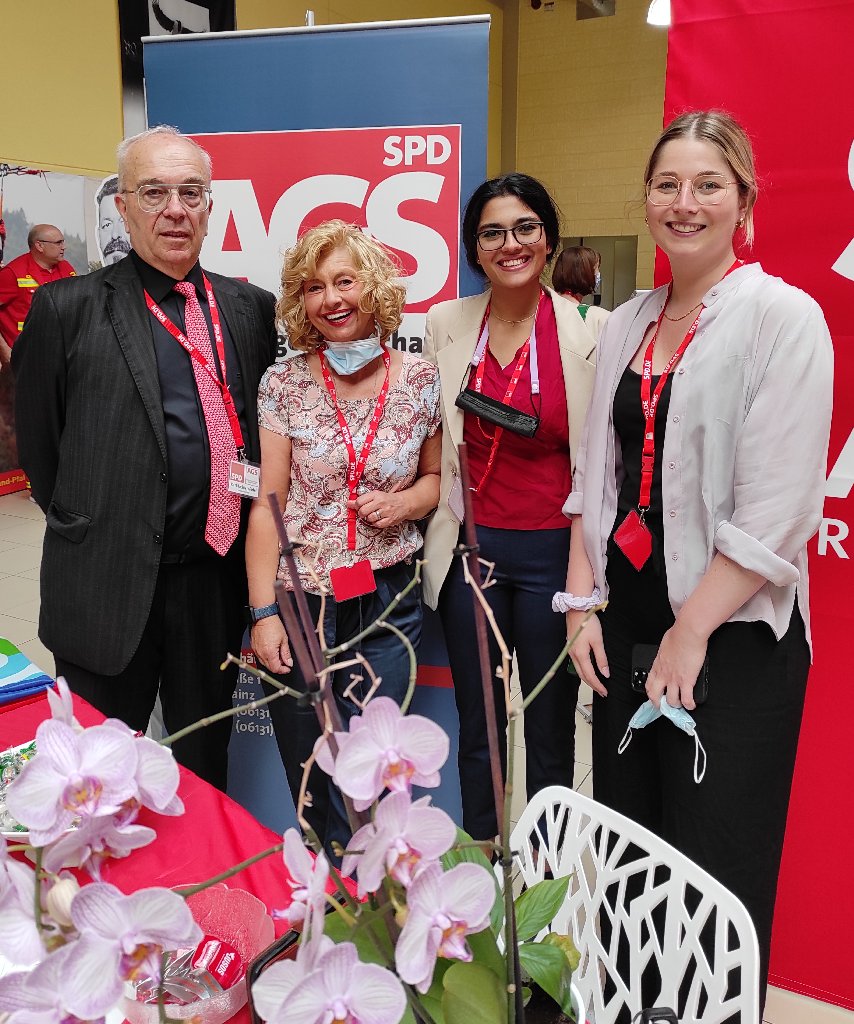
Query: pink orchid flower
x=308, y=876
x=38, y=996
x=121, y=938
x=443, y=909
x=384, y=749
x=401, y=838
x=339, y=990
x=72, y=775
x=273, y=988
x=96, y=841
x=61, y=704
x=157, y=775
x=19, y=936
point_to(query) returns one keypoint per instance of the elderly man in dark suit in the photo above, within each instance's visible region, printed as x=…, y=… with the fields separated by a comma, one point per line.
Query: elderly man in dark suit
x=136, y=403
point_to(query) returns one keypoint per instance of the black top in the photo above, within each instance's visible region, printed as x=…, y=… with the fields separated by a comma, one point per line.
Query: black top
x=629, y=426
x=188, y=485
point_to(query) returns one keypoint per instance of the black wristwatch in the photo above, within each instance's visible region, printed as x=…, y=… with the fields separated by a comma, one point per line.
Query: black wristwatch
x=254, y=615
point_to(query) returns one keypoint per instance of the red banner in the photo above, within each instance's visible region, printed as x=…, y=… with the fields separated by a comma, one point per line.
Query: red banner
x=785, y=71
x=402, y=185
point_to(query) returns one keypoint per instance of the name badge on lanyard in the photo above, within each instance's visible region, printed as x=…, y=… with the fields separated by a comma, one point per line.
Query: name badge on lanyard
x=349, y=581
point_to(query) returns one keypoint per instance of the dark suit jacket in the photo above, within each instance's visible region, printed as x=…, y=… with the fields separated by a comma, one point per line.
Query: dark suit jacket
x=92, y=441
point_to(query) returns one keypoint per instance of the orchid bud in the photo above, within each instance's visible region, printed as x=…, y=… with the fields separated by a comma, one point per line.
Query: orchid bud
x=58, y=900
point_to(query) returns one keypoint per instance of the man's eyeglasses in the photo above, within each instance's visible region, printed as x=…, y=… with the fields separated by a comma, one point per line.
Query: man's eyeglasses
x=708, y=189
x=155, y=198
x=51, y=241
x=528, y=233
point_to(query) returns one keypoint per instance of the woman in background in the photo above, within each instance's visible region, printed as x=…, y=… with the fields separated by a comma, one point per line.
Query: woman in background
x=576, y=274
x=699, y=483
x=525, y=347
x=350, y=443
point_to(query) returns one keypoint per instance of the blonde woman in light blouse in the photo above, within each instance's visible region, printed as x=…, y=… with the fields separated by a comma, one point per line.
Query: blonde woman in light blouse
x=737, y=457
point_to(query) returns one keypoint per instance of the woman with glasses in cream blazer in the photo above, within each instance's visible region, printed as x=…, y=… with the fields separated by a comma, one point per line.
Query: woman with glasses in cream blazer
x=535, y=356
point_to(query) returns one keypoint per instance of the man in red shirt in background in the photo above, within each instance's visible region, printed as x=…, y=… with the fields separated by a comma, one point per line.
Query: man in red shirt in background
x=21, y=276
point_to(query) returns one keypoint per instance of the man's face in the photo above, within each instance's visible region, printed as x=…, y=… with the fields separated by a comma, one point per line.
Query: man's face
x=171, y=239
x=112, y=237
x=50, y=247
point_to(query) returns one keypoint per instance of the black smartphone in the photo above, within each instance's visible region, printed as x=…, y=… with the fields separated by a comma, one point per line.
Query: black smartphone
x=643, y=655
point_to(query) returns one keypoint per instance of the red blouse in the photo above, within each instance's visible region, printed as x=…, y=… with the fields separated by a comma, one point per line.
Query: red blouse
x=530, y=477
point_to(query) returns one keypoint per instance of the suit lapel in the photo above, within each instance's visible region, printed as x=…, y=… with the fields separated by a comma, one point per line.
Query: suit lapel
x=576, y=346
x=130, y=319
x=453, y=360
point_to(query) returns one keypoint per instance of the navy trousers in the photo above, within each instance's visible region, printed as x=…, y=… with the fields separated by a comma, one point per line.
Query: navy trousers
x=530, y=565
x=295, y=722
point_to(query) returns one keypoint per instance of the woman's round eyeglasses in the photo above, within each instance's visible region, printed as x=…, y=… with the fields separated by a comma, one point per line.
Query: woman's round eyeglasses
x=707, y=189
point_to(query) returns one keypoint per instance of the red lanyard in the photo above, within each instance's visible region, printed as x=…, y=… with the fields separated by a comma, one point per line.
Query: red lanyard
x=356, y=466
x=649, y=401
x=202, y=360
x=477, y=383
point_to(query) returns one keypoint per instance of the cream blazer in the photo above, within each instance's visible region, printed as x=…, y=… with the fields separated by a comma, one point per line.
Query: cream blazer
x=450, y=339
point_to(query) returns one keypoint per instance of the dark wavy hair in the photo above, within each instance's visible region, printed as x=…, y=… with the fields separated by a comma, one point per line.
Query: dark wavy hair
x=527, y=190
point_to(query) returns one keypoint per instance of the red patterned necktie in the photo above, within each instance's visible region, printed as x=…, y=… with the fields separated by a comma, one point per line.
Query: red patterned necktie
x=224, y=507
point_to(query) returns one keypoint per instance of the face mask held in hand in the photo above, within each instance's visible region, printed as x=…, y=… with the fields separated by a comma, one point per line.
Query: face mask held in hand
x=648, y=713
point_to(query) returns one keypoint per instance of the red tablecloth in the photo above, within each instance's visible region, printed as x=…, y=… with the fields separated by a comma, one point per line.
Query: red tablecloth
x=212, y=835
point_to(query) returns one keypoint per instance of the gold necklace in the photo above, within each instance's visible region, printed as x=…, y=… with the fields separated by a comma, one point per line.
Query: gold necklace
x=676, y=319
x=524, y=318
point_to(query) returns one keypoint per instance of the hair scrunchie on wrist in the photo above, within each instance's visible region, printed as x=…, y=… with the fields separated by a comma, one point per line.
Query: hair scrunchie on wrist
x=563, y=602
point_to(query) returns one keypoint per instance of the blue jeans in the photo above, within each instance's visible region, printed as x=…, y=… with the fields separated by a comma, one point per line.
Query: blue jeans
x=530, y=565
x=296, y=726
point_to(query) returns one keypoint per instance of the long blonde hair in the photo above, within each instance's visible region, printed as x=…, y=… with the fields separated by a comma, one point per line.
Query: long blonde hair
x=379, y=274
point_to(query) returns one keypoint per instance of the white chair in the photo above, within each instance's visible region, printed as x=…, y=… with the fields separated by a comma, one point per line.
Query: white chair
x=652, y=927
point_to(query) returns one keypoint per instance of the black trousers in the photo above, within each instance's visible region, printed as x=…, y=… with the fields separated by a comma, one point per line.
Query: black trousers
x=733, y=822
x=196, y=618
x=530, y=565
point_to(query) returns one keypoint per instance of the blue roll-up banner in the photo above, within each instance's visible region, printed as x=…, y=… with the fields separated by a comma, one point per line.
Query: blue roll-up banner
x=383, y=125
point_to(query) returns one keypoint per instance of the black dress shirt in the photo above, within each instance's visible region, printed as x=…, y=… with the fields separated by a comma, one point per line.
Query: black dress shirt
x=189, y=464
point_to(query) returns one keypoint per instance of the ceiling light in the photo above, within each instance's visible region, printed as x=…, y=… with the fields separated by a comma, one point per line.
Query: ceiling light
x=658, y=13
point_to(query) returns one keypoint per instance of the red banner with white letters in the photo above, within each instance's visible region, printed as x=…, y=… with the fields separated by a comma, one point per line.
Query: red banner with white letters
x=786, y=72
x=400, y=185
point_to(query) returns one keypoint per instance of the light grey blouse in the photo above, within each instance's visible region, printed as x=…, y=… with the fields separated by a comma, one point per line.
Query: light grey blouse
x=745, y=447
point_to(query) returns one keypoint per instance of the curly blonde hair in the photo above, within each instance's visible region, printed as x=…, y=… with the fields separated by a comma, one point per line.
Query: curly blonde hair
x=376, y=269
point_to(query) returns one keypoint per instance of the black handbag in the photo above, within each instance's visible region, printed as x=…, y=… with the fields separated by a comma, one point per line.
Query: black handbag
x=497, y=413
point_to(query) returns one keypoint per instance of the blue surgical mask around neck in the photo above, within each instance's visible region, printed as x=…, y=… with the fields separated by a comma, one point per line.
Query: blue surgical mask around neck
x=346, y=357
x=648, y=713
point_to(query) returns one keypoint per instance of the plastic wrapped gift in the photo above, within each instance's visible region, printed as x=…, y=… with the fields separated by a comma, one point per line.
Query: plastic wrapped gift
x=238, y=919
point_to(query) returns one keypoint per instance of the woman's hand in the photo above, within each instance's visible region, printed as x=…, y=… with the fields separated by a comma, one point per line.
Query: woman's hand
x=676, y=667
x=588, y=642
x=270, y=644
x=382, y=509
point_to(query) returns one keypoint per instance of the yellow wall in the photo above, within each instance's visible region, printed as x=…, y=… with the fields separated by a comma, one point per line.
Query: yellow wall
x=61, y=105
x=589, y=105
x=575, y=103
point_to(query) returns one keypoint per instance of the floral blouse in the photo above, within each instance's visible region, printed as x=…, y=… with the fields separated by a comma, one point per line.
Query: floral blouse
x=293, y=404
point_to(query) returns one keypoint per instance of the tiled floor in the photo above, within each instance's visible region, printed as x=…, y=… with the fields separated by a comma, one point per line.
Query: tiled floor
x=21, y=533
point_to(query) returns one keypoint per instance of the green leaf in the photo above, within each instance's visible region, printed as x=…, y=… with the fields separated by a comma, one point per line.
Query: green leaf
x=565, y=943
x=485, y=951
x=473, y=995
x=536, y=907
x=548, y=967
x=474, y=855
